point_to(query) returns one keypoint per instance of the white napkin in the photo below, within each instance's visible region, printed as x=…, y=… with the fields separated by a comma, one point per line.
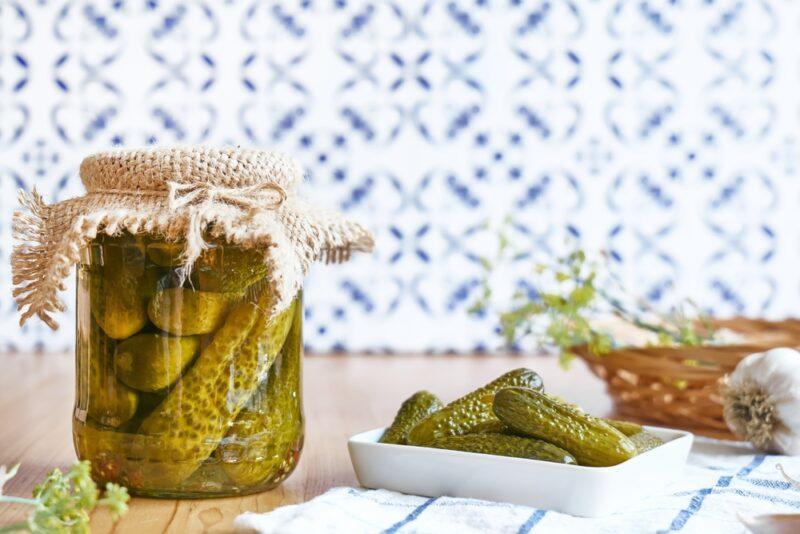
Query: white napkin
x=722, y=482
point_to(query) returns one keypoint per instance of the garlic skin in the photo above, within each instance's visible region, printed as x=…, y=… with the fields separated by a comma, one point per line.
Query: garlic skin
x=772, y=523
x=761, y=400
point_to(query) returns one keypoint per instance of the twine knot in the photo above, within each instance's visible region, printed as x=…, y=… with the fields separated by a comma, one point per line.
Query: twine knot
x=265, y=195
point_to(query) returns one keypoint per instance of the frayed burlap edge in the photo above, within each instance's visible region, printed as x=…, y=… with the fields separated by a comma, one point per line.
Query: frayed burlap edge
x=49, y=239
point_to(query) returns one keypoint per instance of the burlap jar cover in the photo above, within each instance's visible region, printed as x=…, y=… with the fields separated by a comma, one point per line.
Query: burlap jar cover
x=189, y=195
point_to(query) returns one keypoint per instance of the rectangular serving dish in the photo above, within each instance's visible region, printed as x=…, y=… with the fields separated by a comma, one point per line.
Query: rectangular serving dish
x=571, y=489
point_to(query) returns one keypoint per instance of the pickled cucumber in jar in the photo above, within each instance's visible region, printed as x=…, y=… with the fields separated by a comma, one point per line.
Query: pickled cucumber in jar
x=189, y=424
x=263, y=444
x=120, y=286
x=168, y=390
x=153, y=362
x=106, y=400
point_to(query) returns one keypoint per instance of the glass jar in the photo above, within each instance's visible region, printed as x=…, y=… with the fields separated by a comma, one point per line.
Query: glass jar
x=186, y=385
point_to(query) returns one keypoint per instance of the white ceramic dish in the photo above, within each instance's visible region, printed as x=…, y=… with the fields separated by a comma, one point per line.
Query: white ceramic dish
x=572, y=489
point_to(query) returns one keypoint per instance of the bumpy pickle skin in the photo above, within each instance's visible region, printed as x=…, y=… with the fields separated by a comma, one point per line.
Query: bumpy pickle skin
x=589, y=439
x=152, y=362
x=188, y=425
x=262, y=446
x=186, y=312
x=230, y=270
x=626, y=427
x=463, y=415
x=494, y=426
x=645, y=441
x=119, y=288
x=413, y=410
x=108, y=402
x=504, y=445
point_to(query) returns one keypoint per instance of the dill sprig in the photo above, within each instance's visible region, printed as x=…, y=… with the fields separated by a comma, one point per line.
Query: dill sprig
x=62, y=502
x=569, y=294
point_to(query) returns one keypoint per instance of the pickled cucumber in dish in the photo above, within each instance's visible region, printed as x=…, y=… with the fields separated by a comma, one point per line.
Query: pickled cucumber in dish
x=263, y=443
x=413, y=410
x=188, y=312
x=472, y=411
x=504, y=445
x=150, y=362
x=589, y=439
x=626, y=427
x=645, y=441
x=189, y=424
x=120, y=286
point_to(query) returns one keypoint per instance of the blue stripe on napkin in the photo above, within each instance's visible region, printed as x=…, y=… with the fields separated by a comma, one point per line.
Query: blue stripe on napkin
x=697, y=501
x=532, y=521
x=410, y=517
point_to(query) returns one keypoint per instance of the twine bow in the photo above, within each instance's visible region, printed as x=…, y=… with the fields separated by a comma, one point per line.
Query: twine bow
x=200, y=195
x=266, y=195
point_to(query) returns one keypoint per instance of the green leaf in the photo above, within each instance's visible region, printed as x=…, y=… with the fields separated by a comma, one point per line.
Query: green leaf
x=116, y=500
x=565, y=359
x=62, y=502
x=555, y=301
x=582, y=296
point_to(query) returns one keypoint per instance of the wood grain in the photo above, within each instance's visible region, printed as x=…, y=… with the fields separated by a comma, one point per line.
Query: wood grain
x=343, y=395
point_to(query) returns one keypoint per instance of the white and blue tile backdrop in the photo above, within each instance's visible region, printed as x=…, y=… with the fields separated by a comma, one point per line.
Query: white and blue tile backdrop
x=665, y=132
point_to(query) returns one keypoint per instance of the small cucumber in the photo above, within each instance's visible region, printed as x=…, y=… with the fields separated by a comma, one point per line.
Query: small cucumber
x=119, y=287
x=645, y=441
x=504, y=445
x=626, y=427
x=153, y=362
x=186, y=312
x=230, y=269
x=589, y=439
x=413, y=410
x=465, y=414
x=493, y=426
x=262, y=445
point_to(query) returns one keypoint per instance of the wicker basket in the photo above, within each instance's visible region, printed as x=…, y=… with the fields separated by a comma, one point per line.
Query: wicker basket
x=679, y=387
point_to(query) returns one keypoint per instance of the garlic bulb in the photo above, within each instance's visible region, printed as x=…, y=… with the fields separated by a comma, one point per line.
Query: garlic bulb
x=761, y=399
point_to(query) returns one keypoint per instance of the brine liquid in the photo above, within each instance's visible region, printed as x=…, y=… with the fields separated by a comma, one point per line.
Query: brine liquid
x=187, y=386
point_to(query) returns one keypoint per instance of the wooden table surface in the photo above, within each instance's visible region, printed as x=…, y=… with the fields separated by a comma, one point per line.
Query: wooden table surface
x=343, y=395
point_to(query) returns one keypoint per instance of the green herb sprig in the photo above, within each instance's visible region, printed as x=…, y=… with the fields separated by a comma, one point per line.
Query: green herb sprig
x=561, y=315
x=62, y=502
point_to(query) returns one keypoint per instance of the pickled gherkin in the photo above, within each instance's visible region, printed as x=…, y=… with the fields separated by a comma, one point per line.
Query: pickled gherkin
x=242, y=269
x=413, y=410
x=504, y=445
x=471, y=411
x=645, y=441
x=262, y=446
x=494, y=426
x=189, y=424
x=188, y=312
x=151, y=362
x=108, y=401
x=119, y=289
x=589, y=439
x=626, y=427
